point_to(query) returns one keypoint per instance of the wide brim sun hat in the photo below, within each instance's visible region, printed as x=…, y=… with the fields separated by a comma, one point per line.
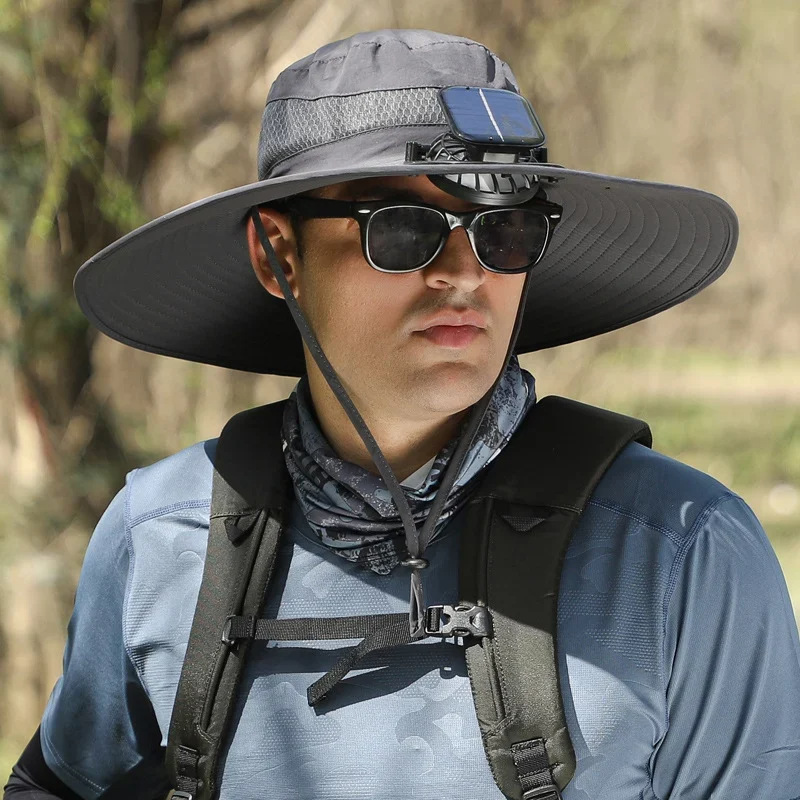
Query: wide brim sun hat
x=183, y=285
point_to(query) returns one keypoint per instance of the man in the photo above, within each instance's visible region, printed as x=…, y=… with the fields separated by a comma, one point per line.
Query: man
x=415, y=257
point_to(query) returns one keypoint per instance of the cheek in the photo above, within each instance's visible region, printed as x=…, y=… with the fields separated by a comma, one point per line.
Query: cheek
x=371, y=305
x=507, y=291
x=351, y=306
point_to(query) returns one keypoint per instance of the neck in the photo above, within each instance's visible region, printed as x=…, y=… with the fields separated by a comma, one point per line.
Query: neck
x=406, y=443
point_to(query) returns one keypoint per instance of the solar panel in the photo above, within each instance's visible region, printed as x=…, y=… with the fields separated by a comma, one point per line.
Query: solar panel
x=491, y=116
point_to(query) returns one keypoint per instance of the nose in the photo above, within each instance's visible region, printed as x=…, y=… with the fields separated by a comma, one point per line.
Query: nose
x=456, y=265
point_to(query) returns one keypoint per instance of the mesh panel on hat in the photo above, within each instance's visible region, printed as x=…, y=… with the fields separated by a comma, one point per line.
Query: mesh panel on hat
x=292, y=126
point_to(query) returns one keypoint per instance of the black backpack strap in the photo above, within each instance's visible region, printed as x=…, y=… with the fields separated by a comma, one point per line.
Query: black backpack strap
x=519, y=525
x=250, y=497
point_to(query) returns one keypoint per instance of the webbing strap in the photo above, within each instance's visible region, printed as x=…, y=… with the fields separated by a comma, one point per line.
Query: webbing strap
x=249, y=494
x=392, y=635
x=379, y=631
x=188, y=772
x=533, y=768
x=301, y=629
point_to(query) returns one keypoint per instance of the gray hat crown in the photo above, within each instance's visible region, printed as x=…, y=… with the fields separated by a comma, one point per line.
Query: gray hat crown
x=392, y=59
x=363, y=98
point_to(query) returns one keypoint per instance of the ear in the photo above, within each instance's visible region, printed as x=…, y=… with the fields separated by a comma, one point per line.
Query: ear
x=281, y=237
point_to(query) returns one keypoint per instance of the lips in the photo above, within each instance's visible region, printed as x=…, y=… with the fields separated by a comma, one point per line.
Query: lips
x=453, y=336
x=454, y=319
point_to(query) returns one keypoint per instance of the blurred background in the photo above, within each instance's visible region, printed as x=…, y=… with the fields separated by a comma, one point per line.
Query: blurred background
x=113, y=112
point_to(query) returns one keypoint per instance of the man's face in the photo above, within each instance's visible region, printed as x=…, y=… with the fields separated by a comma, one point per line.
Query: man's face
x=369, y=323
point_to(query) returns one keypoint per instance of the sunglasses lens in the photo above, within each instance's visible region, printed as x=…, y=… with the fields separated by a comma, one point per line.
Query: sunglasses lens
x=403, y=238
x=510, y=240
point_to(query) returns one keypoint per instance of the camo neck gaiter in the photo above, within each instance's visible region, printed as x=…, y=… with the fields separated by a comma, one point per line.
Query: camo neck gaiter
x=352, y=511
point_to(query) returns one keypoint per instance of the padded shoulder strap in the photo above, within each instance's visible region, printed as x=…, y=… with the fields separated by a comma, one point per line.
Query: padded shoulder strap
x=250, y=496
x=518, y=527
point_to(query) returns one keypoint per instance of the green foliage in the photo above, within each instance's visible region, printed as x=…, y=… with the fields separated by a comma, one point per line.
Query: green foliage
x=118, y=203
x=155, y=80
x=10, y=17
x=52, y=321
x=35, y=169
x=77, y=145
x=747, y=444
x=65, y=175
x=97, y=12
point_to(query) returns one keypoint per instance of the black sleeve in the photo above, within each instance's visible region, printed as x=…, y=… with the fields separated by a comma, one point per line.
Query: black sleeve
x=32, y=779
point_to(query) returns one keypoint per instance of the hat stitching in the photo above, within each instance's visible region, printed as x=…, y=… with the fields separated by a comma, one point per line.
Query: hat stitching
x=689, y=247
x=347, y=94
x=567, y=252
x=572, y=244
x=663, y=258
x=598, y=306
x=654, y=268
x=552, y=268
x=378, y=45
x=185, y=289
x=612, y=221
x=674, y=301
x=460, y=43
x=627, y=292
x=671, y=250
x=635, y=241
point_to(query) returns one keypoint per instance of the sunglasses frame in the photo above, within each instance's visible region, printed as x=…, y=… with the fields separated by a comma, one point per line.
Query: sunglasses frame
x=362, y=211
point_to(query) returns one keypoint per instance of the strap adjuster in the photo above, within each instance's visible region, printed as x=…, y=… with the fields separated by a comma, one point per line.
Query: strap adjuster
x=447, y=621
x=175, y=794
x=227, y=641
x=245, y=629
x=551, y=792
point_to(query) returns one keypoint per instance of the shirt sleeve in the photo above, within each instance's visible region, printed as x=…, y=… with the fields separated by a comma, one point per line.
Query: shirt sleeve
x=732, y=659
x=99, y=732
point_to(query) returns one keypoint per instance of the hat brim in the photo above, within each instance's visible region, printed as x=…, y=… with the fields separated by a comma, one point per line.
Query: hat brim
x=183, y=286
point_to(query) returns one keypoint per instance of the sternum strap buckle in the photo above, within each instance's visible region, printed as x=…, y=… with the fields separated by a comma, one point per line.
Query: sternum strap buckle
x=462, y=620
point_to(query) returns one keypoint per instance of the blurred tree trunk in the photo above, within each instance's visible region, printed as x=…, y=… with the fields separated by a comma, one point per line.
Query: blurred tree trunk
x=75, y=132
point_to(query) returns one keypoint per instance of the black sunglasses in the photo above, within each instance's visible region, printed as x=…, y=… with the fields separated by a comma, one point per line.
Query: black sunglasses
x=399, y=236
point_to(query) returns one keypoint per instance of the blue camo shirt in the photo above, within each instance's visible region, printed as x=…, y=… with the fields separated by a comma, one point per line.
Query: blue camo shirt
x=678, y=651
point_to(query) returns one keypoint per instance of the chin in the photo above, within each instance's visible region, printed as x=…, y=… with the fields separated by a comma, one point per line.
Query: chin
x=450, y=388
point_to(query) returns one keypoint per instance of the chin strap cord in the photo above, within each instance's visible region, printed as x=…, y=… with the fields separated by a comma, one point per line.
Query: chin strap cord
x=416, y=540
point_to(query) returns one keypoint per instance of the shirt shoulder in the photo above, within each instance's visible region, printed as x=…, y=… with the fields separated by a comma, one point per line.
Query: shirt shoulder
x=669, y=580
x=618, y=575
x=180, y=480
x=167, y=511
x=653, y=489
x=616, y=581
